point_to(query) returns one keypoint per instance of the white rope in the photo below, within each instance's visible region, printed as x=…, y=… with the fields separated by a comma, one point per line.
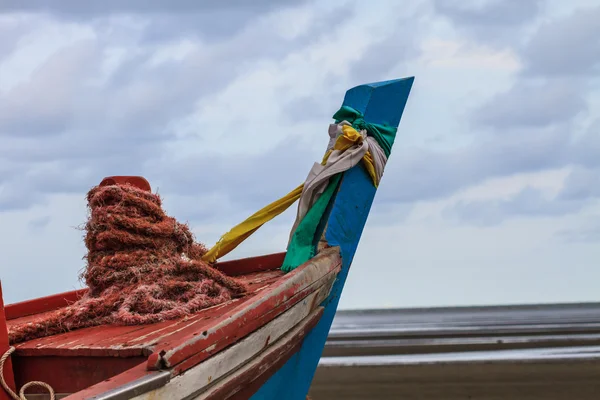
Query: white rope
x=338, y=161
x=21, y=395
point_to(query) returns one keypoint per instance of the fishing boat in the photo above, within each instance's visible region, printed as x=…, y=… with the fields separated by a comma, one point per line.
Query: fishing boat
x=263, y=344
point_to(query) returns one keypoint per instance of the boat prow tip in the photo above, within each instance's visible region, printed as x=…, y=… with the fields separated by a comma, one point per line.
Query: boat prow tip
x=381, y=102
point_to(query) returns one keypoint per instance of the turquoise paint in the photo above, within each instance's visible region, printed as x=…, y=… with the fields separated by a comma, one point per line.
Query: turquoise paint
x=382, y=103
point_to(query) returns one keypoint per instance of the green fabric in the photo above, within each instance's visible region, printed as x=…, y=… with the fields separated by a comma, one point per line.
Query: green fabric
x=384, y=135
x=302, y=248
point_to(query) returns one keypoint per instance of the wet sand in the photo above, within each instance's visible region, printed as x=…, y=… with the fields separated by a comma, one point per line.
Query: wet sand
x=552, y=380
x=528, y=352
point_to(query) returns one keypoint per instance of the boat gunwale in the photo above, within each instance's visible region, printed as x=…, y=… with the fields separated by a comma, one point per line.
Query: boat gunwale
x=324, y=266
x=241, y=321
x=245, y=381
x=191, y=348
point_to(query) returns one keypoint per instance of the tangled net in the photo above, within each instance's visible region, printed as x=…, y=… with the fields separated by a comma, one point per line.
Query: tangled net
x=142, y=267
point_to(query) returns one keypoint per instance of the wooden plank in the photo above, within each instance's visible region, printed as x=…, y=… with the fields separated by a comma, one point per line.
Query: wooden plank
x=198, y=379
x=137, y=373
x=70, y=374
x=190, y=362
x=246, y=381
x=246, y=318
x=233, y=357
x=251, y=264
x=43, y=304
x=380, y=103
x=4, y=346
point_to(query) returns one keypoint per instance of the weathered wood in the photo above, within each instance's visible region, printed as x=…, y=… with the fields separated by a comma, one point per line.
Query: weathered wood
x=192, y=347
x=267, y=316
x=42, y=304
x=70, y=374
x=274, y=295
x=130, y=378
x=251, y=264
x=4, y=346
x=198, y=379
x=248, y=379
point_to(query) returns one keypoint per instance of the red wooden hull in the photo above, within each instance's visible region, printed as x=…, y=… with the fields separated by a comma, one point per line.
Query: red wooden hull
x=279, y=311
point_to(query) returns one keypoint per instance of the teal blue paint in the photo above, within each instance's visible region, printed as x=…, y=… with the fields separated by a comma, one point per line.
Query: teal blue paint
x=381, y=103
x=276, y=387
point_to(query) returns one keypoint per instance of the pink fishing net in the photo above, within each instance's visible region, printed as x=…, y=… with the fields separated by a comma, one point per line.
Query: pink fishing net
x=142, y=267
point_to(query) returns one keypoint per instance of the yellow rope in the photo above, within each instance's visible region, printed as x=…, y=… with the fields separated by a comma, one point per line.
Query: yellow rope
x=240, y=232
x=21, y=395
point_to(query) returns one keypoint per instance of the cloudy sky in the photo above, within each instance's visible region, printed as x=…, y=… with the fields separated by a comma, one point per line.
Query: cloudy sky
x=492, y=195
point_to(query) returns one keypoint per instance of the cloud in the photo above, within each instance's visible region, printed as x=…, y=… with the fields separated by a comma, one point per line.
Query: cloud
x=15, y=196
x=12, y=30
x=68, y=140
x=581, y=188
x=528, y=104
x=528, y=203
x=36, y=224
x=424, y=174
x=565, y=47
x=242, y=179
x=46, y=104
x=545, y=91
x=394, y=46
x=77, y=8
x=209, y=20
x=139, y=95
x=590, y=233
x=585, y=148
x=540, y=121
x=488, y=12
x=496, y=22
x=113, y=102
x=581, y=184
x=224, y=108
x=96, y=105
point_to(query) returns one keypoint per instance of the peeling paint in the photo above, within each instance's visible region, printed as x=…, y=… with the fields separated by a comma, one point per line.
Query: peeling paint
x=274, y=297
